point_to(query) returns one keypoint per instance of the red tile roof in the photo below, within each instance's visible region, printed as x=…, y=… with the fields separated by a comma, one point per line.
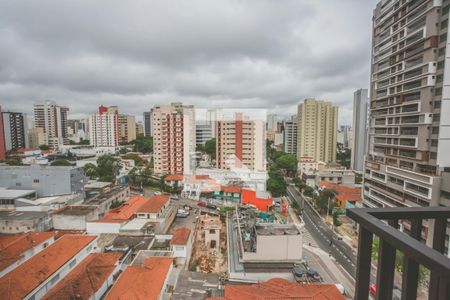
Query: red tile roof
x=13, y=246
x=25, y=278
x=344, y=193
x=87, y=278
x=141, y=282
x=126, y=211
x=231, y=188
x=279, y=288
x=154, y=204
x=60, y=233
x=174, y=177
x=181, y=236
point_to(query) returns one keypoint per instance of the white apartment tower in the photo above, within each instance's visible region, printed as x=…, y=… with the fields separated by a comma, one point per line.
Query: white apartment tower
x=290, y=136
x=104, y=127
x=52, y=118
x=359, y=128
x=173, y=129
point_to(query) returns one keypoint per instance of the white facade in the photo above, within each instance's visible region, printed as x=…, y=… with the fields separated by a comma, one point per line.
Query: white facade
x=359, y=141
x=103, y=127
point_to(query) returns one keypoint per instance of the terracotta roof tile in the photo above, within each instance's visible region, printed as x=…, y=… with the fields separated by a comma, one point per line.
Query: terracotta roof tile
x=87, y=278
x=231, y=188
x=133, y=283
x=279, y=288
x=174, y=177
x=181, y=236
x=344, y=193
x=25, y=278
x=126, y=211
x=154, y=204
x=12, y=247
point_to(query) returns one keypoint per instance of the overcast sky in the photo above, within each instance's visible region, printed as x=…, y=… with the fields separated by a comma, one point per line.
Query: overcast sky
x=134, y=54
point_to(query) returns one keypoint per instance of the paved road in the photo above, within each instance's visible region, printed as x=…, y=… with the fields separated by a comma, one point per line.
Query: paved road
x=326, y=239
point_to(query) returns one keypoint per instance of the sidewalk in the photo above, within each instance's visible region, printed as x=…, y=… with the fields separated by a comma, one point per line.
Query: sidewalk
x=336, y=272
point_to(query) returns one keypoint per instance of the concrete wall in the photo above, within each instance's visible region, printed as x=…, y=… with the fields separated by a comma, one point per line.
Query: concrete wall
x=102, y=227
x=19, y=226
x=72, y=222
x=276, y=248
x=47, y=181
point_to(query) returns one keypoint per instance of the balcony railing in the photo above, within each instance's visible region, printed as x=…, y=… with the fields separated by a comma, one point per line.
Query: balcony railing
x=415, y=252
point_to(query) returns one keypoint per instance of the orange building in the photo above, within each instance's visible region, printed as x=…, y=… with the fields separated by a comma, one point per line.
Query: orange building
x=261, y=200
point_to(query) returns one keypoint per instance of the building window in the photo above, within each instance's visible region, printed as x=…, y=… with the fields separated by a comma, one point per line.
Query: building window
x=54, y=279
x=35, y=180
x=72, y=263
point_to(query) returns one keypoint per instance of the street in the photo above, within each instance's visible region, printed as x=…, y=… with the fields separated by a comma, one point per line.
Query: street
x=324, y=236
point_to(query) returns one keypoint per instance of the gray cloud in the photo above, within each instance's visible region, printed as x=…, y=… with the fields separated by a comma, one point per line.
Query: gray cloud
x=264, y=54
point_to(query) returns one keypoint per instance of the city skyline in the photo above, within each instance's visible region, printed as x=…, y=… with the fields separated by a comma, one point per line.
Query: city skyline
x=260, y=66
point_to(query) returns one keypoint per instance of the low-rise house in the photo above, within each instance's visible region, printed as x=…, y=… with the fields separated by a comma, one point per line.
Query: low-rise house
x=8, y=197
x=74, y=217
x=146, y=281
x=211, y=227
x=90, y=279
x=102, y=196
x=278, y=288
x=345, y=196
x=36, y=276
x=181, y=244
x=12, y=222
x=15, y=249
x=174, y=180
x=155, y=207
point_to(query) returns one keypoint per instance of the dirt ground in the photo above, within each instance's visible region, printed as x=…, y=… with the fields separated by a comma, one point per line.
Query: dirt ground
x=205, y=259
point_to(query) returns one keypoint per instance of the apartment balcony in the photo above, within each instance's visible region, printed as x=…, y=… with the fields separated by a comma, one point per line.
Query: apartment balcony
x=372, y=221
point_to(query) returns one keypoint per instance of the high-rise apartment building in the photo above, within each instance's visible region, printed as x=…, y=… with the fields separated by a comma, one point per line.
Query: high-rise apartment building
x=173, y=128
x=359, y=128
x=409, y=134
x=15, y=130
x=240, y=142
x=52, y=118
x=127, y=128
x=140, y=129
x=147, y=118
x=104, y=127
x=290, y=136
x=36, y=137
x=2, y=138
x=316, y=130
x=203, y=132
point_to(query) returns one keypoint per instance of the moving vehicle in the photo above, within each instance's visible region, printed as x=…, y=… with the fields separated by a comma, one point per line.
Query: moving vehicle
x=202, y=204
x=211, y=206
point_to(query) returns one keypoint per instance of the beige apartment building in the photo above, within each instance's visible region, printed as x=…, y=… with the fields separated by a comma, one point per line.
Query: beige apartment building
x=36, y=137
x=240, y=142
x=408, y=161
x=317, y=130
x=127, y=128
x=52, y=118
x=173, y=128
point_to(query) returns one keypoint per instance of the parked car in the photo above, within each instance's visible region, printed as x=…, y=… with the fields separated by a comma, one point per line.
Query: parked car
x=211, y=206
x=202, y=204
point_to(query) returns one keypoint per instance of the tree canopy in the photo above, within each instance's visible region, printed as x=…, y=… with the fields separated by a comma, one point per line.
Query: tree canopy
x=287, y=162
x=61, y=162
x=210, y=148
x=143, y=144
x=137, y=160
x=44, y=147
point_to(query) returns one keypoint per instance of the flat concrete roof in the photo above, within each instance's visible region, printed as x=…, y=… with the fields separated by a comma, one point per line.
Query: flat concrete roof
x=96, y=184
x=14, y=194
x=21, y=215
x=73, y=210
x=277, y=229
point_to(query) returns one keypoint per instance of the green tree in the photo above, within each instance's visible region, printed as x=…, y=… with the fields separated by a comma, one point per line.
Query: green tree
x=138, y=161
x=358, y=178
x=336, y=221
x=276, y=186
x=44, y=147
x=107, y=168
x=288, y=163
x=13, y=162
x=84, y=142
x=200, y=148
x=210, y=148
x=143, y=144
x=321, y=203
x=116, y=203
x=61, y=162
x=90, y=170
x=308, y=191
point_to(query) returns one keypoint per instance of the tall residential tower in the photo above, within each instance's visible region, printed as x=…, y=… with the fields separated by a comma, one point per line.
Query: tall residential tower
x=359, y=128
x=317, y=130
x=52, y=118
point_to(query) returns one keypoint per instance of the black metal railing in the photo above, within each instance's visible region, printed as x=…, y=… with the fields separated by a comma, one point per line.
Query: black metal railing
x=384, y=223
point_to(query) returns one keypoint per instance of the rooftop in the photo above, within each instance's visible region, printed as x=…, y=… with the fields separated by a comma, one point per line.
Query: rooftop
x=133, y=282
x=73, y=210
x=12, y=247
x=181, y=236
x=21, y=215
x=154, y=204
x=278, y=288
x=277, y=229
x=14, y=194
x=127, y=242
x=41, y=266
x=231, y=188
x=174, y=177
x=93, y=184
x=344, y=193
x=126, y=210
x=87, y=278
